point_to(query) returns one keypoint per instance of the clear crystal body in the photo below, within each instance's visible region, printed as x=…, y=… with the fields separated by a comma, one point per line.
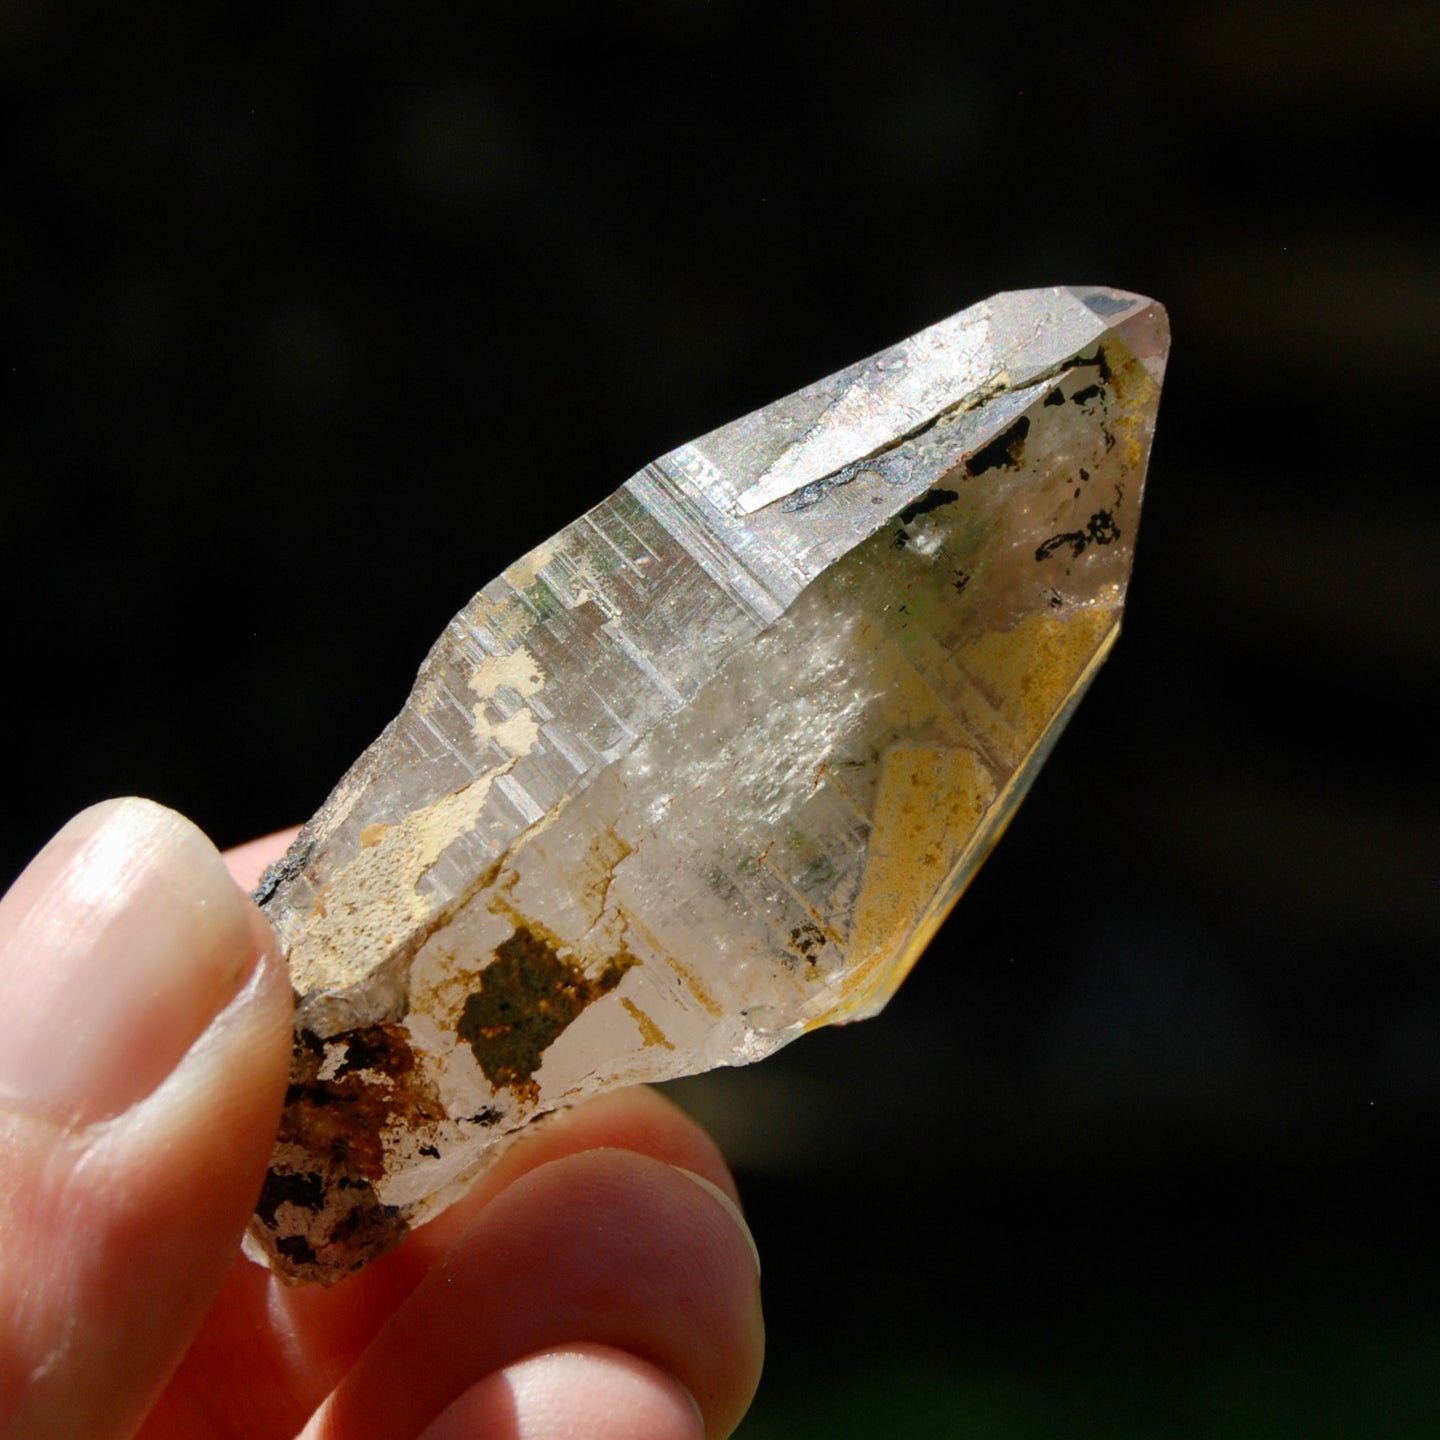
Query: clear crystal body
x=708, y=768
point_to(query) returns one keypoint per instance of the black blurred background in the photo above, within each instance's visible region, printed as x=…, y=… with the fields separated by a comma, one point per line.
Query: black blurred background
x=313, y=320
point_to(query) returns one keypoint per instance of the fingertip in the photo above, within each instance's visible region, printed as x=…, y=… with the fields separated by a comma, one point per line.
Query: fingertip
x=637, y=1119
x=118, y=945
x=136, y=1149
x=575, y=1392
x=648, y=1122
x=161, y=1196
x=729, y=1205
x=603, y=1246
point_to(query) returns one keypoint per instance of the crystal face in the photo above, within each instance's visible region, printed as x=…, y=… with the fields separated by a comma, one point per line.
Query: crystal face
x=707, y=769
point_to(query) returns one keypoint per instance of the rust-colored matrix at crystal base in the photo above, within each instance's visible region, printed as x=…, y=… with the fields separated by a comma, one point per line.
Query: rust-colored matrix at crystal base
x=708, y=768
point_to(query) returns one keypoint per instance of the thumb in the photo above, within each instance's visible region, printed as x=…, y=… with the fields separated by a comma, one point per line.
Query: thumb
x=144, y=1044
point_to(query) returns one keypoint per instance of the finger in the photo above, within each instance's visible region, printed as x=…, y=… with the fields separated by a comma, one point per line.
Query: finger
x=340, y=1322
x=144, y=1049
x=638, y=1119
x=581, y=1392
x=270, y=1353
x=605, y=1246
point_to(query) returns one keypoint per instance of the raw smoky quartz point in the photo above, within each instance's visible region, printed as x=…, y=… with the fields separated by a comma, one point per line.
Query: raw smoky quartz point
x=708, y=768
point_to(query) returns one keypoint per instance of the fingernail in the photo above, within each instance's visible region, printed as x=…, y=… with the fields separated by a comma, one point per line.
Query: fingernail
x=726, y=1204
x=119, y=944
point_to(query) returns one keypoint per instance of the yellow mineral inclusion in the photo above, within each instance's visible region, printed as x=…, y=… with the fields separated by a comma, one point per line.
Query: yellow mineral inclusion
x=526, y=570
x=518, y=671
x=1028, y=672
x=927, y=807
x=374, y=896
x=932, y=802
x=1138, y=395
x=645, y=939
x=650, y=1032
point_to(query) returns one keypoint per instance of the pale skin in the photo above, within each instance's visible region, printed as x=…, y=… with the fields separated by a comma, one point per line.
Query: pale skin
x=597, y=1284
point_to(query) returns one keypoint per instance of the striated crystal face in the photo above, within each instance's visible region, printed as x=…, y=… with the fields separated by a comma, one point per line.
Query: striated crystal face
x=708, y=768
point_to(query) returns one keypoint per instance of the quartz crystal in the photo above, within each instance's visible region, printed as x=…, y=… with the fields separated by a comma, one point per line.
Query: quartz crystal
x=707, y=769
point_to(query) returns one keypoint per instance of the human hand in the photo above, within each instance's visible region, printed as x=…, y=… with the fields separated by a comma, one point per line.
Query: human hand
x=595, y=1276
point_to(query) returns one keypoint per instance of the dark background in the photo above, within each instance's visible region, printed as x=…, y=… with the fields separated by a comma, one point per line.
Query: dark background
x=310, y=324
